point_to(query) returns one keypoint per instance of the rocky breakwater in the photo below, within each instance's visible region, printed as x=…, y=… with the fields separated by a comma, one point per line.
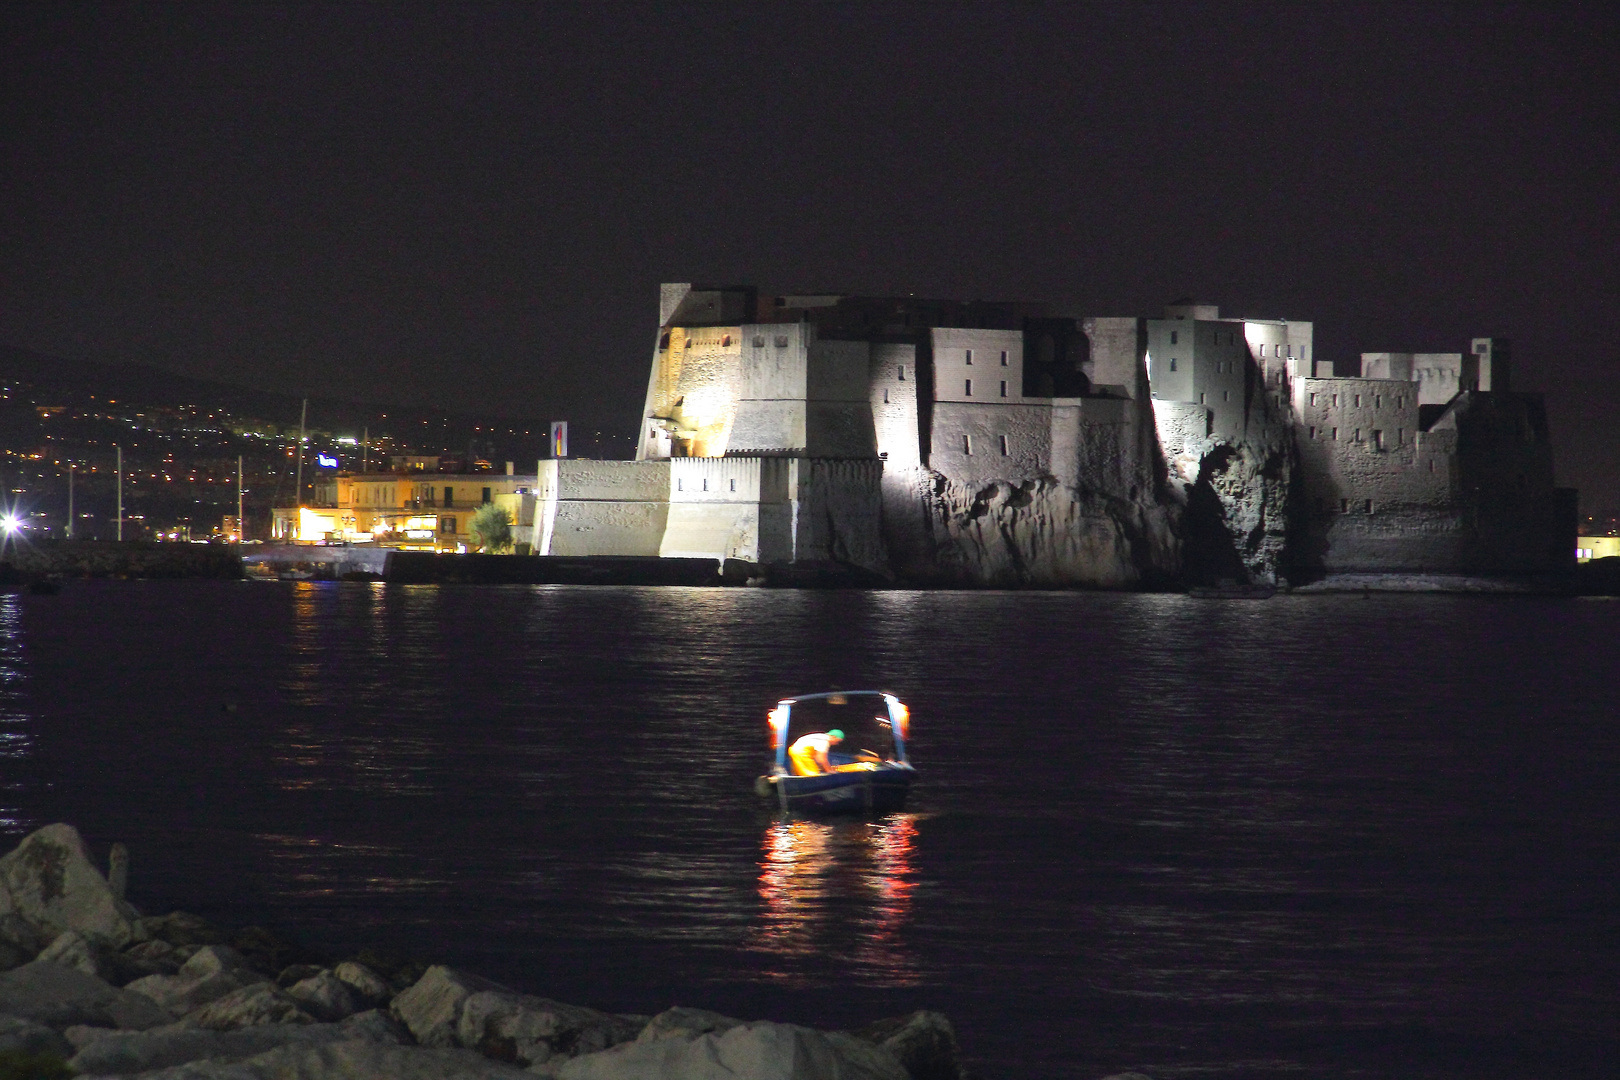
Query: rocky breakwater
x=91, y=987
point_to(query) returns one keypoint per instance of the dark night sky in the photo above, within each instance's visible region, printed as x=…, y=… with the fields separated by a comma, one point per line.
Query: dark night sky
x=473, y=205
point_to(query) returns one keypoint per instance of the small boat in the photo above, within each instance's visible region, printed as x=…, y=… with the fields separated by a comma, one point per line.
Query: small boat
x=870, y=772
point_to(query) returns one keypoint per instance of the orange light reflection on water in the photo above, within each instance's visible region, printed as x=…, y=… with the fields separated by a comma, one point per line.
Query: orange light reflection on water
x=838, y=889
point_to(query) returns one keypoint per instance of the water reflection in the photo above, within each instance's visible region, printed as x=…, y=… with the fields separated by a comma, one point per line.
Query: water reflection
x=16, y=724
x=838, y=890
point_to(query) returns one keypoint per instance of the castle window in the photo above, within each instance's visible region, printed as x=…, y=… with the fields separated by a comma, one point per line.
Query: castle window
x=1313, y=398
x=1358, y=401
x=1344, y=506
x=967, y=388
x=1172, y=363
x=885, y=395
x=1313, y=433
x=1378, y=401
x=725, y=339
x=1003, y=446
x=734, y=485
x=1400, y=436
x=705, y=483
x=1335, y=434
x=1003, y=357
x=759, y=342
x=900, y=373
x=680, y=485
x=1357, y=436
x=1400, y=401
x=1226, y=395
x=968, y=354
x=1378, y=439
x=1003, y=387
x=1201, y=400
x=1369, y=506
x=781, y=341
x=967, y=445
x=1335, y=401
x=1172, y=337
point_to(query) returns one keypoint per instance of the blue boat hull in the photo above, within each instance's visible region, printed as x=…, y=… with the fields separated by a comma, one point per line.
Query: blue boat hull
x=878, y=791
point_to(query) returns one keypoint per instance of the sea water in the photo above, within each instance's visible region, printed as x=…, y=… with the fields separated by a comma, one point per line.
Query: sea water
x=1309, y=836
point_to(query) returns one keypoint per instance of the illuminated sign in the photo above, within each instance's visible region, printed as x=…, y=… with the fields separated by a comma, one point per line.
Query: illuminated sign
x=326, y=461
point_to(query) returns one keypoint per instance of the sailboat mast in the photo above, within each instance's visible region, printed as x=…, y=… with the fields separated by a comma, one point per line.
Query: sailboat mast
x=303, y=415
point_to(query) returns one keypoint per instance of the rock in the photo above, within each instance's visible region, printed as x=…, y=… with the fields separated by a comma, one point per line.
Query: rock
x=529, y=1030
x=325, y=997
x=118, y=870
x=924, y=1042
x=182, y=928
x=58, y=996
x=80, y=1036
x=679, y=1020
x=357, y=1060
x=260, y=1003
x=27, y=1037
x=431, y=1007
x=370, y=987
x=297, y=973
x=211, y=973
x=13, y=955
x=758, y=1051
x=51, y=883
x=375, y=1025
x=264, y=950
x=450, y=1008
x=24, y=934
x=73, y=949
x=158, y=956
x=123, y=1052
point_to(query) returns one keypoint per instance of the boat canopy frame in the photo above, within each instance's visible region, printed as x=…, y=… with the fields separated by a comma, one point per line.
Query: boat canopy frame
x=898, y=722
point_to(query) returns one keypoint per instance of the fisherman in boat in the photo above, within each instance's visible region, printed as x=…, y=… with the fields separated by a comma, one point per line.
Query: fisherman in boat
x=809, y=752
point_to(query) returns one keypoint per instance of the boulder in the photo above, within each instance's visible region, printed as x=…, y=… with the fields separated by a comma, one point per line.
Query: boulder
x=431, y=1007
x=159, y=957
x=13, y=955
x=182, y=928
x=212, y=972
x=375, y=1025
x=924, y=1042
x=260, y=1003
x=51, y=883
x=446, y=1007
x=357, y=1060
x=297, y=973
x=23, y=934
x=325, y=997
x=123, y=1052
x=19, y=1036
x=682, y=1021
x=530, y=1030
x=58, y=996
x=759, y=1051
x=368, y=986
x=73, y=949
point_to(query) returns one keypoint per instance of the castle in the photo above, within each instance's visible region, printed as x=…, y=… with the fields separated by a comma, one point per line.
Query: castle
x=941, y=442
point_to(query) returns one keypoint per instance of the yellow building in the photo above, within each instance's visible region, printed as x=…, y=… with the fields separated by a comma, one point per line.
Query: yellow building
x=1588, y=548
x=408, y=510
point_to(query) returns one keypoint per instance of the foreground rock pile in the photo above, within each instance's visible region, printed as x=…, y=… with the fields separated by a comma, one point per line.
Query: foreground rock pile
x=90, y=987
